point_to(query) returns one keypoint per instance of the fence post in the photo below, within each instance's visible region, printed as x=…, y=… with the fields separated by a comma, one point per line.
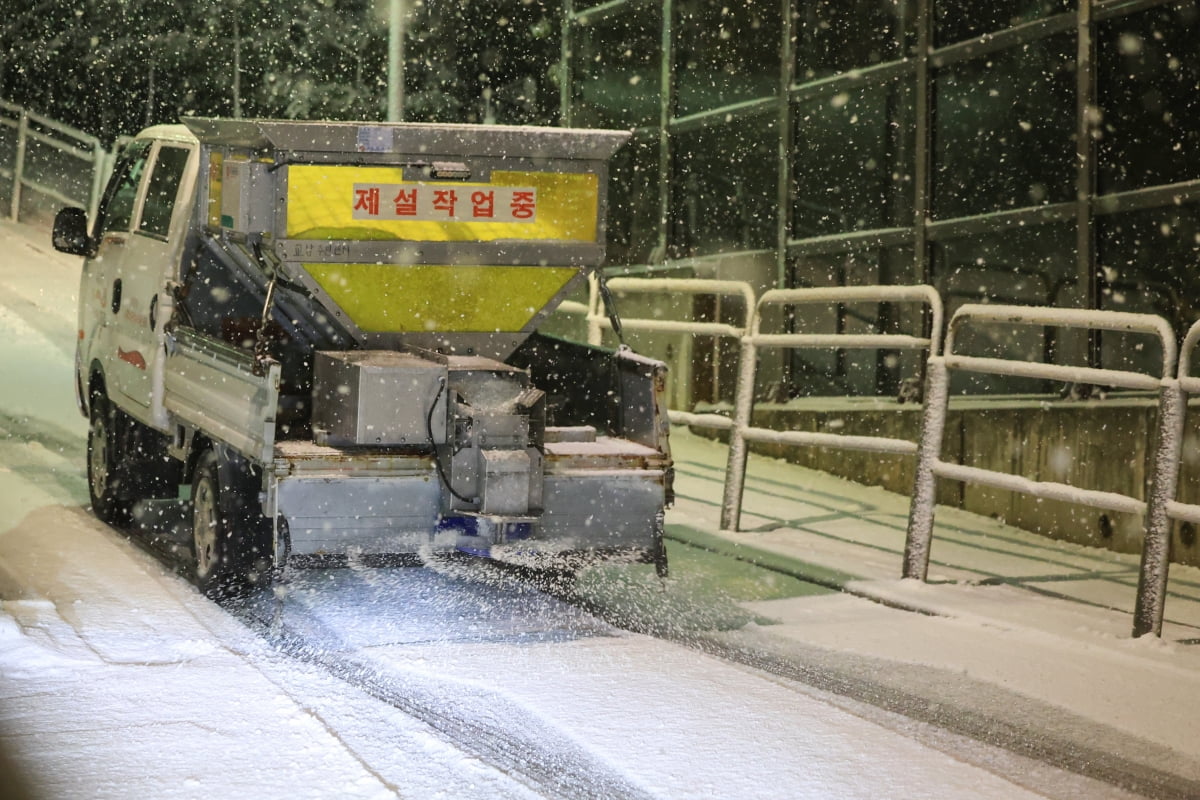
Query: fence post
x=929, y=450
x=1156, y=544
x=743, y=408
x=19, y=164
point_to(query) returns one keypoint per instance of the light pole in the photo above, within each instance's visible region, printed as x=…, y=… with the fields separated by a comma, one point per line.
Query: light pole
x=395, y=91
x=237, y=61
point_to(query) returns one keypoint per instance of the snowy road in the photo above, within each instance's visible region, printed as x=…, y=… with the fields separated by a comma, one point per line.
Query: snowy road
x=395, y=682
x=117, y=679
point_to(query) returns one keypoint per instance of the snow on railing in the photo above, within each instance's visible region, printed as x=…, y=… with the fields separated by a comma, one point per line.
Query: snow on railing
x=1152, y=581
x=1164, y=467
x=742, y=431
x=598, y=321
x=33, y=132
x=1159, y=509
x=709, y=287
x=1189, y=384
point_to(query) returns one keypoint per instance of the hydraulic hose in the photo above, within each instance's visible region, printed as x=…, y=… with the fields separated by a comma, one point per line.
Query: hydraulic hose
x=437, y=460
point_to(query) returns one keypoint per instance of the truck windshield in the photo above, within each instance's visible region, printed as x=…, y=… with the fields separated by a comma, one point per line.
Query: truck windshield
x=116, y=212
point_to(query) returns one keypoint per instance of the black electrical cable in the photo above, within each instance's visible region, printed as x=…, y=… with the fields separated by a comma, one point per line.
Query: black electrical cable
x=437, y=461
x=610, y=306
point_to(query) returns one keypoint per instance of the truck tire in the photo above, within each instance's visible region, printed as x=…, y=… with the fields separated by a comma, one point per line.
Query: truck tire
x=231, y=538
x=127, y=462
x=108, y=488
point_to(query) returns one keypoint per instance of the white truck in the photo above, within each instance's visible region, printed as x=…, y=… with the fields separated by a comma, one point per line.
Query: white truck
x=318, y=340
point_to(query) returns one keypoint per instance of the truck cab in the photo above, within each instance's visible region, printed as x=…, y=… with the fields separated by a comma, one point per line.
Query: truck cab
x=139, y=238
x=319, y=341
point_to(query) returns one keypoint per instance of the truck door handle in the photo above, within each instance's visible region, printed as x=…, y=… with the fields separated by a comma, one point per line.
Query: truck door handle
x=116, y=296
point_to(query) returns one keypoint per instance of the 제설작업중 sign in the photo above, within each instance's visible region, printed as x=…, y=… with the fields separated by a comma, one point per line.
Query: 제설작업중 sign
x=442, y=203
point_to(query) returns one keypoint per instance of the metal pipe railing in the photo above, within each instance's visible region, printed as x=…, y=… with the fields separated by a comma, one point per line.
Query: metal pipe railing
x=1152, y=582
x=742, y=431
x=598, y=321
x=1151, y=589
x=1172, y=383
x=33, y=129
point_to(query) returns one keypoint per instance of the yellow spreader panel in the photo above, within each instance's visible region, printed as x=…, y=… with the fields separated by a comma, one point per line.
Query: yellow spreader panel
x=387, y=298
x=376, y=203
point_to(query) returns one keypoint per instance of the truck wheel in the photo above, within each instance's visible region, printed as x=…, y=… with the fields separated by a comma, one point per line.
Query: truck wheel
x=109, y=492
x=127, y=463
x=231, y=538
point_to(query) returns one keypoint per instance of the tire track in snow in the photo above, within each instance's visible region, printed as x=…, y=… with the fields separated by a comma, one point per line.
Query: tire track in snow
x=481, y=722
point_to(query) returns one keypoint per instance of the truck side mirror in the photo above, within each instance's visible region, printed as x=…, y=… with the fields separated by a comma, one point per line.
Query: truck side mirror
x=71, y=233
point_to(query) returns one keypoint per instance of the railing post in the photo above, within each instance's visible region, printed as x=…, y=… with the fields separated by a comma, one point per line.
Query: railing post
x=929, y=450
x=19, y=164
x=595, y=332
x=743, y=408
x=595, y=335
x=1156, y=544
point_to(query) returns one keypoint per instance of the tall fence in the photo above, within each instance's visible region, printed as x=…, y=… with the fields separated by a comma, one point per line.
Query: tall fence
x=1172, y=382
x=45, y=165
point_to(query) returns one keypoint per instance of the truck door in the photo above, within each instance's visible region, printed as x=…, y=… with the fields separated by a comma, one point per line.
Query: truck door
x=150, y=253
x=100, y=289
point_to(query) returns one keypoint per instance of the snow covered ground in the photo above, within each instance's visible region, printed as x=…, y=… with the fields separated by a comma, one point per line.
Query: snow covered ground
x=118, y=680
x=1049, y=620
